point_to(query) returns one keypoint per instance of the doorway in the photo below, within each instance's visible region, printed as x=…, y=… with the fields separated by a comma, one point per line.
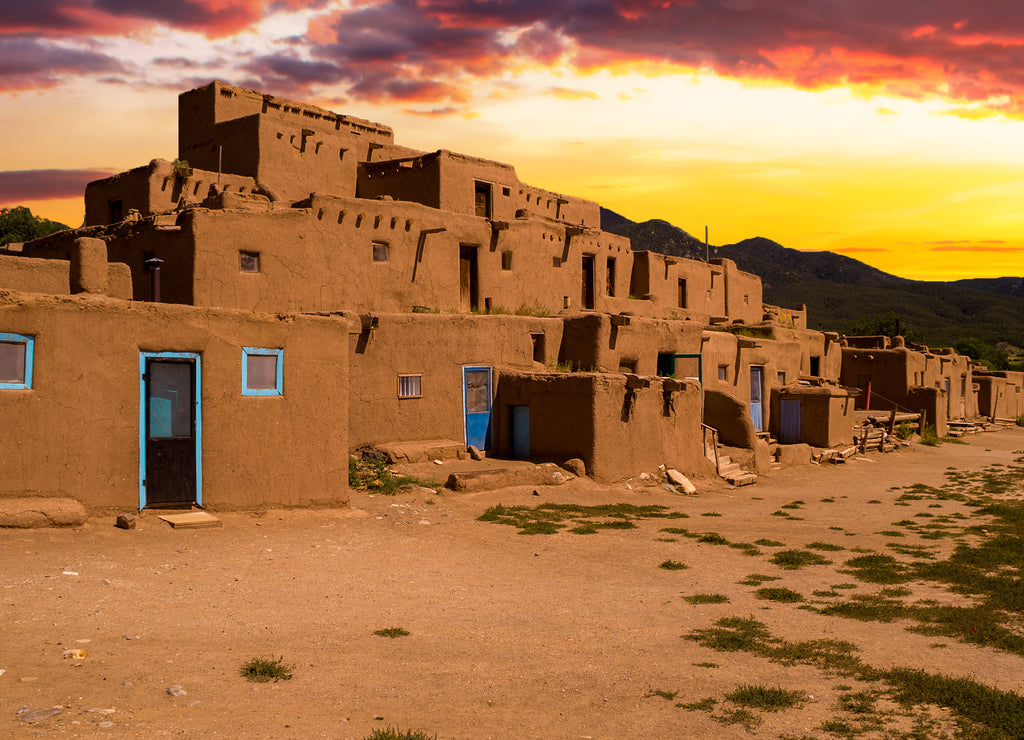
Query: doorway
x=587, y=296
x=789, y=429
x=756, y=393
x=170, y=430
x=520, y=432
x=469, y=288
x=476, y=396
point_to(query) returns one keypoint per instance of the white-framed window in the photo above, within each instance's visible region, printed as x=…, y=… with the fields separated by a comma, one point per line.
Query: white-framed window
x=262, y=371
x=16, y=352
x=410, y=386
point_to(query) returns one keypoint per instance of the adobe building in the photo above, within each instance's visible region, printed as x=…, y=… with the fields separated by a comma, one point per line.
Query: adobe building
x=892, y=373
x=296, y=285
x=1000, y=393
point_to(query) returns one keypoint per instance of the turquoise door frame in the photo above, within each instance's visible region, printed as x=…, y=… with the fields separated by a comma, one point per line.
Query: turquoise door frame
x=143, y=411
x=476, y=403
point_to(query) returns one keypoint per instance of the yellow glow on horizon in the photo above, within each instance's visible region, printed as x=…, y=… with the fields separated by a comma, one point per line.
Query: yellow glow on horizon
x=885, y=180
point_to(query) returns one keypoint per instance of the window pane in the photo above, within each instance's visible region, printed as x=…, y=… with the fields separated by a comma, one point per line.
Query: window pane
x=409, y=386
x=261, y=372
x=380, y=252
x=170, y=399
x=478, y=392
x=12, y=362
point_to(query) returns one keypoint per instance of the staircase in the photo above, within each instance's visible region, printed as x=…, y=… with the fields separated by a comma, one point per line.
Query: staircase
x=727, y=469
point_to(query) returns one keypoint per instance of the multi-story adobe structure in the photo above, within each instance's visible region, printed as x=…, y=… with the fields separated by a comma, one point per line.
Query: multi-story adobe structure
x=296, y=285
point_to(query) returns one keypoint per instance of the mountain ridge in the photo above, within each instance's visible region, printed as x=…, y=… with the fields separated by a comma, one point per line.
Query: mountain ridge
x=843, y=294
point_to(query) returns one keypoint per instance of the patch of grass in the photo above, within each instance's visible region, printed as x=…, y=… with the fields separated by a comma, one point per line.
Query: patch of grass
x=793, y=559
x=794, y=505
x=904, y=431
x=895, y=591
x=756, y=579
x=704, y=705
x=828, y=500
x=928, y=436
x=875, y=568
x=390, y=733
x=667, y=695
x=707, y=599
x=861, y=702
x=826, y=594
x=766, y=698
x=262, y=670
x=706, y=665
x=550, y=518
x=392, y=632
x=826, y=546
x=673, y=565
x=769, y=543
x=984, y=708
x=782, y=595
x=739, y=717
x=711, y=513
x=713, y=538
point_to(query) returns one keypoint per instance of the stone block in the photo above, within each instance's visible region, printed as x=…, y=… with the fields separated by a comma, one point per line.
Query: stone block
x=798, y=454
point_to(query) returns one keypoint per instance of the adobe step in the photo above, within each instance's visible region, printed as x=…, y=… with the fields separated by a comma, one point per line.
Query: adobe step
x=741, y=479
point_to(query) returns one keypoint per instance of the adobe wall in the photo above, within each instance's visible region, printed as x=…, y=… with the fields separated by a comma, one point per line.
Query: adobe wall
x=705, y=292
x=85, y=270
x=155, y=188
x=628, y=344
x=131, y=243
x=282, y=133
x=435, y=347
x=1000, y=393
x=256, y=451
x=895, y=372
x=617, y=430
x=34, y=275
x=826, y=414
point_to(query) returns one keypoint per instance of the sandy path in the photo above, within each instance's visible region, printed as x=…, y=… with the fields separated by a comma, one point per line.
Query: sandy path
x=555, y=636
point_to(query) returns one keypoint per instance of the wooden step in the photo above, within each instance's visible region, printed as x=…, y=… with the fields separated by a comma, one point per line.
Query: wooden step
x=742, y=479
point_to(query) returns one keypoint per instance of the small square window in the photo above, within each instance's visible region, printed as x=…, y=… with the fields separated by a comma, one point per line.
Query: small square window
x=16, y=361
x=380, y=251
x=410, y=386
x=249, y=261
x=723, y=372
x=262, y=372
x=506, y=260
x=781, y=377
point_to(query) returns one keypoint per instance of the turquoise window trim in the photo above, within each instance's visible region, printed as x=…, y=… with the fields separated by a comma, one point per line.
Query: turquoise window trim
x=30, y=343
x=278, y=389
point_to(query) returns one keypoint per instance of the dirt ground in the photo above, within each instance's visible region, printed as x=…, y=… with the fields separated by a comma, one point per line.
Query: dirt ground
x=511, y=636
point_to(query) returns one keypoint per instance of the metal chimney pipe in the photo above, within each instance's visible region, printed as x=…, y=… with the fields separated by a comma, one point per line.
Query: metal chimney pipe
x=153, y=265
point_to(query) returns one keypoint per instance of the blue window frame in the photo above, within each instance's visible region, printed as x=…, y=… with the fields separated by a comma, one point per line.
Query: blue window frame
x=262, y=371
x=16, y=361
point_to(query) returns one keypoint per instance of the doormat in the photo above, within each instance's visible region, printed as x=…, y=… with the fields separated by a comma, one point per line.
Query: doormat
x=191, y=520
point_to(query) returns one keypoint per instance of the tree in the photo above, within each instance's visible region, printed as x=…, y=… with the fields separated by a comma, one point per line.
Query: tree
x=19, y=225
x=888, y=324
x=981, y=351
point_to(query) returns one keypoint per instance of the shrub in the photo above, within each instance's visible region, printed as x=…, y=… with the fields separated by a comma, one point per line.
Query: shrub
x=262, y=670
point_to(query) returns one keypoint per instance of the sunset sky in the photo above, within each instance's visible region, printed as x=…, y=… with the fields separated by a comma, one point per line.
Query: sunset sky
x=892, y=132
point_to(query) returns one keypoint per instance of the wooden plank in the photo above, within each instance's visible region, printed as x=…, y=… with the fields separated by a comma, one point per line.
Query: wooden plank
x=191, y=520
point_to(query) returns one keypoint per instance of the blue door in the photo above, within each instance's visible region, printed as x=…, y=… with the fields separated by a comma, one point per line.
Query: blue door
x=756, y=407
x=790, y=429
x=476, y=396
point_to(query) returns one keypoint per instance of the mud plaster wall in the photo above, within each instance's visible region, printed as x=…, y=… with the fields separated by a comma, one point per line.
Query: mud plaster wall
x=76, y=432
x=131, y=243
x=155, y=188
x=1000, y=394
x=616, y=431
x=436, y=347
x=932, y=402
x=895, y=372
x=730, y=417
x=607, y=344
x=826, y=414
x=737, y=354
x=34, y=275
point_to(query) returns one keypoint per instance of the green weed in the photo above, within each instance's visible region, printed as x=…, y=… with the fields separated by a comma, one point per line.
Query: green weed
x=392, y=632
x=262, y=670
x=792, y=559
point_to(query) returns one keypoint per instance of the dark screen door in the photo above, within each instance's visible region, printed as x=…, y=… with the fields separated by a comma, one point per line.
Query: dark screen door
x=170, y=432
